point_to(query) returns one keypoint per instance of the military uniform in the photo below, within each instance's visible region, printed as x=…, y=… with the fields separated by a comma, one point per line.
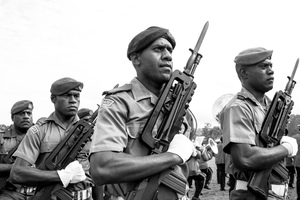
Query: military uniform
x=10, y=138
x=41, y=140
x=121, y=119
x=241, y=121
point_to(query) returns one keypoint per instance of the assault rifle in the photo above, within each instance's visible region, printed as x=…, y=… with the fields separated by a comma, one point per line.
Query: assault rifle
x=170, y=110
x=64, y=153
x=7, y=159
x=273, y=128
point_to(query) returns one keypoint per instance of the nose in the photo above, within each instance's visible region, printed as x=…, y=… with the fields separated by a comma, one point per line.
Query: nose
x=270, y=71
x=167, y=55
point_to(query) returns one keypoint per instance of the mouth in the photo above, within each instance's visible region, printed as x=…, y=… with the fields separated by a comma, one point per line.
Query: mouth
x=72, y=108
x=167, y=66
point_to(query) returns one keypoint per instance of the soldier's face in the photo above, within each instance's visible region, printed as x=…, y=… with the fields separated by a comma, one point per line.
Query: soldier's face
x=23, y=120
x=156, y=62
x=67, y=104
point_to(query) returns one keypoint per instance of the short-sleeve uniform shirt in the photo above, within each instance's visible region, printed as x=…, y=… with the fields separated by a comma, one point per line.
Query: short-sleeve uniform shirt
x=41, y=140
x=242, y=118
x=121, y=119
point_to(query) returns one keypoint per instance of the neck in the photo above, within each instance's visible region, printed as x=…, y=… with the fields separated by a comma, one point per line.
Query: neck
x=65, y=120
x=153, y=87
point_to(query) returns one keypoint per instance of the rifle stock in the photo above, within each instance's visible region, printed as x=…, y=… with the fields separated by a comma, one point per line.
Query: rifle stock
x=170, y=109
x=273, y=128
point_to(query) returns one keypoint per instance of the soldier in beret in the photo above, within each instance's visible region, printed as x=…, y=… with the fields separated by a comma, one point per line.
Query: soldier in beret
x=118, y=156
x=10, y=137
x=29, y=169
x=241, y=121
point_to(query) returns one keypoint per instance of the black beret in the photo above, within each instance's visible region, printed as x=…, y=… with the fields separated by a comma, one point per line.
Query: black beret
x=84, y=112
x=147, y=37
x=253, y=56
x=64, y=85
x=20, y=106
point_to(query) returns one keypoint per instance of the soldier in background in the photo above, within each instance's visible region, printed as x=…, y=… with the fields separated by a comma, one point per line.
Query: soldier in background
x=30, y=169
x=10, y=137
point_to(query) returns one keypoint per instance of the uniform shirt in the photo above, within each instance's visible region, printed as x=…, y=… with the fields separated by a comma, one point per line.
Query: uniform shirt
x=241, y=120
x=9, y=139
x=121, y=119
x=41, y=140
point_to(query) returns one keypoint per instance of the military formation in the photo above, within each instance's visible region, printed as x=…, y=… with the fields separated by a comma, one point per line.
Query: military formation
x=102, y=154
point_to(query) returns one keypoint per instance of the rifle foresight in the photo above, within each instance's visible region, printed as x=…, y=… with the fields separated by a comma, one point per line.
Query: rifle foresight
x=195, y=58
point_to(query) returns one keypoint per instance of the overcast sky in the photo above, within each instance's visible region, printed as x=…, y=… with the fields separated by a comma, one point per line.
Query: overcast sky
x=42, y=41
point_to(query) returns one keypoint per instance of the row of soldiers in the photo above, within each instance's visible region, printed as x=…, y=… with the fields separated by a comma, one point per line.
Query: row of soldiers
x=116, y=156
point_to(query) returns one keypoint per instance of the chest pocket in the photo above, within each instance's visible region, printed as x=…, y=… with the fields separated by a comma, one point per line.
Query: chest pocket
x=134, y=144
x=47, y=147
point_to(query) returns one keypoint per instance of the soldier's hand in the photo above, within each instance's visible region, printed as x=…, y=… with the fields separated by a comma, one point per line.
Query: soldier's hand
x=290, y=144
x=73, y=173
x=182, y=146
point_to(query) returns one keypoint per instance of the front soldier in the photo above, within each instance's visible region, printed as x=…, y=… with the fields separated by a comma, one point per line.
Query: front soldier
x=118, y=156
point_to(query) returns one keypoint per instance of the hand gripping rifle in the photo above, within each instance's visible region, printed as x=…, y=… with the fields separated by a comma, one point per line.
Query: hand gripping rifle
x=171, y=108
x=273, y=128
x=66, y=152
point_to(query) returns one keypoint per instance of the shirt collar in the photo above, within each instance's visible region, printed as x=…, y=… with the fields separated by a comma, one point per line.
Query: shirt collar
x=54, y=118
x=247, y=95
x=140, y=92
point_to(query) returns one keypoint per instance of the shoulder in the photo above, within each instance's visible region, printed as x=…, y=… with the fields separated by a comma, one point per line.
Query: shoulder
x=115, y=90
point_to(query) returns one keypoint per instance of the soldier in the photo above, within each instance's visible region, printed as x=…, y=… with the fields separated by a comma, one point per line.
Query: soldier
x=29, y=168
x=118, y=156
x=21, y=115
x=241, y=121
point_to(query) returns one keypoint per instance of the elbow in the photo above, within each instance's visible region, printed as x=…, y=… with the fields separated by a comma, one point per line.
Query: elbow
x=99, y=174
x=15, y=176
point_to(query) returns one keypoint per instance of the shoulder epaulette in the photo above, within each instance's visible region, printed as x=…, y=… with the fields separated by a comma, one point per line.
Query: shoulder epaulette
x=240, y=97
x=115, y=90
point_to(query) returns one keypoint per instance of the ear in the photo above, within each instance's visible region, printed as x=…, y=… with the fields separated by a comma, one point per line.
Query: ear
x=53, y=98
x=135, y=59
x=244, y=73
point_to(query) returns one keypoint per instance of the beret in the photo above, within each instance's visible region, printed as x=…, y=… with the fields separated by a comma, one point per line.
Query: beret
x=253, y=56
x=20, y=106
x=84, y=112
x=64, y=85
x=147, y=37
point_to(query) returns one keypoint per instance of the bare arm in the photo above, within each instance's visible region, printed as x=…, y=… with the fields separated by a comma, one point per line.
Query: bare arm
x=23, y=173
x=246, y=157
x=113, y=167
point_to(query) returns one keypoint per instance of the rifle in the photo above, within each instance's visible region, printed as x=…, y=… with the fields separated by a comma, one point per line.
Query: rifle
x=273, y=128
x=7, y=159
x=64, y=153
x=171, y=108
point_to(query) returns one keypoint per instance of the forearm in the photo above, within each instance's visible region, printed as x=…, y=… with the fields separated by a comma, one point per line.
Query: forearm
x=121, y=167
x=22, y=173
x=5, y=169
x=256, y=158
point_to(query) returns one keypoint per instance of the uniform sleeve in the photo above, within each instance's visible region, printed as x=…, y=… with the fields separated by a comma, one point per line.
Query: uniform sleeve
x=237, y=126
x=110, y=130
x=29, y=147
